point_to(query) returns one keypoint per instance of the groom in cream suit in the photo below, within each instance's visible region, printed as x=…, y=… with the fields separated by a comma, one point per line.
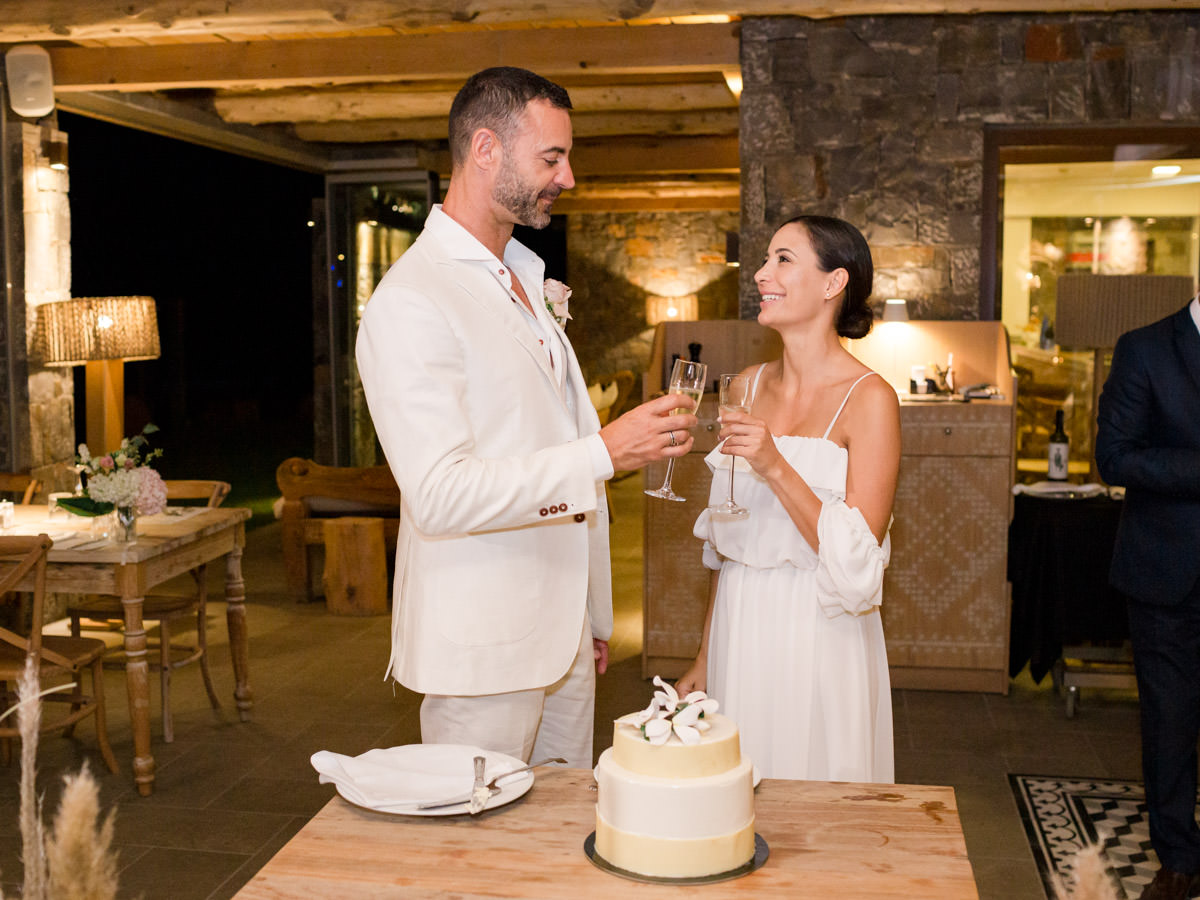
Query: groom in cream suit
x=502, y=594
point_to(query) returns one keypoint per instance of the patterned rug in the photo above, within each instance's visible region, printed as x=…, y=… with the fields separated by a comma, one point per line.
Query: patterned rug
x=1062, y=815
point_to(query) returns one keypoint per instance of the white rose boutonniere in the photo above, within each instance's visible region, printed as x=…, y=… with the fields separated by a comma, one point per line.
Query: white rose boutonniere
x=557, y=294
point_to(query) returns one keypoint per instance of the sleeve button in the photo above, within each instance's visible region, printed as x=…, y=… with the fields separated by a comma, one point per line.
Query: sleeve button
x=543, y=511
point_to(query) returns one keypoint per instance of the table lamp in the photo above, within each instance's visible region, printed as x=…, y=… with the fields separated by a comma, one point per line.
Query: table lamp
x=102, y=333
x=1095, y=310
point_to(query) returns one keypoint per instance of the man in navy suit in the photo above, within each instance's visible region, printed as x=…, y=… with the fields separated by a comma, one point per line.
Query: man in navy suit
x=1149, y=442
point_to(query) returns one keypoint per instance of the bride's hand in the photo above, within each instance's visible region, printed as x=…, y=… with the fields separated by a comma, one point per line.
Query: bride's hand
x=749, y=438
x=694, y=679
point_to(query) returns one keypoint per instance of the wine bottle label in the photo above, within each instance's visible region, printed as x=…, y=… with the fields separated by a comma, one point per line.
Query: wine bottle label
x=1057, y=458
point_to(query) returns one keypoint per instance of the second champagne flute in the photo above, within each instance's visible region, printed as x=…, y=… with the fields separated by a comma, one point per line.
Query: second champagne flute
x=687, y=380
x=734, y=396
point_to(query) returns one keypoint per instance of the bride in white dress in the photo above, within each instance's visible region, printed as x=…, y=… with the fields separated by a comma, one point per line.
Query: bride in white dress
x=793, y=644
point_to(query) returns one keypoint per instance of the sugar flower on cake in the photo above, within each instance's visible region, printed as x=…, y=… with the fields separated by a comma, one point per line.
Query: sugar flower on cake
x=669, y=715
x=557, y=294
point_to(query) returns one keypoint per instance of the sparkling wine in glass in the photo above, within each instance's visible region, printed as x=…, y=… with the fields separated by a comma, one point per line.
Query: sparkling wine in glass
x=687, y=380
x=734, y=395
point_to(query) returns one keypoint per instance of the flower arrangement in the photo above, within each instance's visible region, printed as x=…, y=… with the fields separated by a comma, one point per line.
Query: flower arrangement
x=557, y=294
x=121, y=480
x=668, y=715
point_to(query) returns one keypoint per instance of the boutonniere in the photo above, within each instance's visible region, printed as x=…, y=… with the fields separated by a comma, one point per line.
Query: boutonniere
x=557, y=294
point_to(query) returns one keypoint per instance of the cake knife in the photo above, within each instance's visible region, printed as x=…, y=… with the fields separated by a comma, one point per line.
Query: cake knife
x=490, y=787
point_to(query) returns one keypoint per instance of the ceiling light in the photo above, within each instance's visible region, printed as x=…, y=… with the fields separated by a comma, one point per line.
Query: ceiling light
x=733, y=80
x=1165, y=171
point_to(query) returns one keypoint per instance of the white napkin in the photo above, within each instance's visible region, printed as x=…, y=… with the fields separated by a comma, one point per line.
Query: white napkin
x=405, y=776
x=1060, y=488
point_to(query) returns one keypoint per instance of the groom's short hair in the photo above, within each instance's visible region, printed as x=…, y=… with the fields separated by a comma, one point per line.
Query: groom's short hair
x=495, y=98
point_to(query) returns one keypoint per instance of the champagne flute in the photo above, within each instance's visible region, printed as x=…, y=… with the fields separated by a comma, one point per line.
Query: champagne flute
x=734, y=396
x=687, y=380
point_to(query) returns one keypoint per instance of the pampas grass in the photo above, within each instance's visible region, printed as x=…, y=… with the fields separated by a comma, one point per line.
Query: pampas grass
x=76, y=861
x=81, y=866
x=33, y=843
x=1090, y=878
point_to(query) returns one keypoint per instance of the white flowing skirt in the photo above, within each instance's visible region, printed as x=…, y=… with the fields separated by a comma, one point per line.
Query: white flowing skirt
x=810, y=693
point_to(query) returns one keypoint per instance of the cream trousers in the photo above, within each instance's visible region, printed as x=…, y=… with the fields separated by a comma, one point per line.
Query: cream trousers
x=555, y=720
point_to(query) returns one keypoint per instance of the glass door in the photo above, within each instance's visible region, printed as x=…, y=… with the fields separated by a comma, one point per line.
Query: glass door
x=373, y=218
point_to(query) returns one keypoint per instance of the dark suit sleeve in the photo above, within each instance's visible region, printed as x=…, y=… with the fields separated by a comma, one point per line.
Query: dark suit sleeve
x=1131, y=416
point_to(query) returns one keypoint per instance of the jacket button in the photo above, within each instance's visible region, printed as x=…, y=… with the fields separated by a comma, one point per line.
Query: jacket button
x=543, y=511
x=554, y=508
x=579, y=517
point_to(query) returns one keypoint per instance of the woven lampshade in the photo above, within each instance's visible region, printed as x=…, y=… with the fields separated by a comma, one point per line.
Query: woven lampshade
x=73, y=332
x=1095, y=310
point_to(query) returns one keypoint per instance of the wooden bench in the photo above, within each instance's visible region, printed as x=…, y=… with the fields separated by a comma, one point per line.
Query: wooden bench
x=313, y=494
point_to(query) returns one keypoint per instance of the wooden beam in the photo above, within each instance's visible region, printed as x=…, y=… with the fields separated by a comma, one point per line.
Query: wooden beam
x=603, y=195
x=662, y=188
x=451, y=57
x=160, y=115
x=40, y=20
x=717, y=121
x=700, y=155
x=567, y=206
x=352, y=103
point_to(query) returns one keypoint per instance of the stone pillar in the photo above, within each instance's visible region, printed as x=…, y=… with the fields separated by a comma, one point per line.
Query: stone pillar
x=47, y=222
x=14, y=388
x=37, y=423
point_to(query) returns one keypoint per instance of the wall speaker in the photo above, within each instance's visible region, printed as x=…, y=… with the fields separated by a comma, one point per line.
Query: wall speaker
x=30, y=82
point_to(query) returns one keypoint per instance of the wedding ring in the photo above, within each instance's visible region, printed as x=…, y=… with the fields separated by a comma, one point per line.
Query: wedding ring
x=672, y=436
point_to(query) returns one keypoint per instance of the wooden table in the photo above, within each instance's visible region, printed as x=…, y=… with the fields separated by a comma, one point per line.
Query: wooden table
x=826, y=840
x=166, y=546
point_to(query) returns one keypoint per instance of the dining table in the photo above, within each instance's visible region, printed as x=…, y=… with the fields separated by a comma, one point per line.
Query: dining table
x=822, y=839
x=166, y=545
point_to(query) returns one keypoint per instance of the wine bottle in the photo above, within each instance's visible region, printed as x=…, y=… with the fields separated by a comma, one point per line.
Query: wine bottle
x=1058, y=450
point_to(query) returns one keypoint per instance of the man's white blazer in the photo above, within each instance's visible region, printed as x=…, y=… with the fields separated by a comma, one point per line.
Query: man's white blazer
x=503, y=540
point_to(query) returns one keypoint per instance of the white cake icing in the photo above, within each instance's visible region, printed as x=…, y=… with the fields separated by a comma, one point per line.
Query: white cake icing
x=675, y=809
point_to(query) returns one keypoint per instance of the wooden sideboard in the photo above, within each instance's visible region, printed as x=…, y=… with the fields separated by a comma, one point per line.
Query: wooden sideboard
x=946, y=596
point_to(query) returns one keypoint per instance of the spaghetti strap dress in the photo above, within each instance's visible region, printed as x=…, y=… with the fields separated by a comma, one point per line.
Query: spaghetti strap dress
x=796, y=655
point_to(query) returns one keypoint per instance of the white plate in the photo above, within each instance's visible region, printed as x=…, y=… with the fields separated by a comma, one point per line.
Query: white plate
x=442, y=759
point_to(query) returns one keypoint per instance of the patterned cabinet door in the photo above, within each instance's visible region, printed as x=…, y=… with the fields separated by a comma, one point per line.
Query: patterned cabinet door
x=675, y=581
x=945, y=594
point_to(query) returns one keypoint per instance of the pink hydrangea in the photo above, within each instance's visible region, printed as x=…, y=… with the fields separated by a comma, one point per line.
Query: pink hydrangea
x=152, y=492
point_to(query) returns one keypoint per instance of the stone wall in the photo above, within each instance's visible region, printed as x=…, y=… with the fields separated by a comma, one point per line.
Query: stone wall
x=880, y=119
x=617, y=261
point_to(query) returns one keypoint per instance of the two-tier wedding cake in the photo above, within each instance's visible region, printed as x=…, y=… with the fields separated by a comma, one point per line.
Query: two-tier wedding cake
x=676, y=795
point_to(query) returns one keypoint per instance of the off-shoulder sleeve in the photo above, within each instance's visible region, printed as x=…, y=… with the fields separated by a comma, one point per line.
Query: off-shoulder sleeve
x=703, y=530
x=850, y=561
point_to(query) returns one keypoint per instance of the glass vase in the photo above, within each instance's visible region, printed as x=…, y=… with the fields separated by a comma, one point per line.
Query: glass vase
x=126, y=530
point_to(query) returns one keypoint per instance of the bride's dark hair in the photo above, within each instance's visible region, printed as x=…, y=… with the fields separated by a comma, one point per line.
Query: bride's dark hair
x=839, y=245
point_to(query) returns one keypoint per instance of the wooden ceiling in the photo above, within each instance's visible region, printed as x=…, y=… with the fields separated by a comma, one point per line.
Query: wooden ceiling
x=338, y=85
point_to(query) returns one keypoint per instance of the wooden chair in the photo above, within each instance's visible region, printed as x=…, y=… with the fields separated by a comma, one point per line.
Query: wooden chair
x=19, y=486
x=165, y=607
x=57, y=655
